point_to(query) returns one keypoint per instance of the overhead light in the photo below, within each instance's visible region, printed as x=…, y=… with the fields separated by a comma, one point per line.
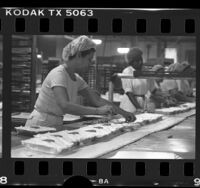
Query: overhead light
x=97, y=41
x=123, y=50
x=39, y=56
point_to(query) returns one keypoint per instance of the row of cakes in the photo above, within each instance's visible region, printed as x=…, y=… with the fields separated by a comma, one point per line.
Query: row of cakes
x=176, y=109
x=57, y=142
x=141, y=118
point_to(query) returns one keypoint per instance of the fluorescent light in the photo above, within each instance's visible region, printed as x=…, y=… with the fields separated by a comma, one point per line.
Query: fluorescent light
x=97, y=41
x=123, y=50
x=39, y=56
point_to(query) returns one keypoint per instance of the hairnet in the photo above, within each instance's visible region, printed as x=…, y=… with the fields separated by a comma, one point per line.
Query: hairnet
x=79, y=44
x=157, y=68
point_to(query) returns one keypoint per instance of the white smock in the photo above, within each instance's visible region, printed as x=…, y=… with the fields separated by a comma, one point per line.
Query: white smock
x=139, y=87
x=47, y=111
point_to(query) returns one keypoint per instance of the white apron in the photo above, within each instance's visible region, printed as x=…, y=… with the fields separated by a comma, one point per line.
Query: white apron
x=136, y=86
x=43, y=119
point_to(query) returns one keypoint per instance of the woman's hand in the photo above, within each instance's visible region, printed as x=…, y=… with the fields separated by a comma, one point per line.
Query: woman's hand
x=130, y=117
x=151, y=107
x=139, y=110
x=105, y=110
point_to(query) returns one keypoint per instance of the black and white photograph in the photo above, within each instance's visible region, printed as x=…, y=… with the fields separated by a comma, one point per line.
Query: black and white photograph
x=1, y=86
x=109, y=97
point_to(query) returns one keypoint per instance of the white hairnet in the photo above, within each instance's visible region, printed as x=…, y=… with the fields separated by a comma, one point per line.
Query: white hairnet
x=79, y=44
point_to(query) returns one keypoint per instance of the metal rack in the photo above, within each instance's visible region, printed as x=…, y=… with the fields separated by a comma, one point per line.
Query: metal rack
x=154, y=75
x=47, y=66
x=23, y=73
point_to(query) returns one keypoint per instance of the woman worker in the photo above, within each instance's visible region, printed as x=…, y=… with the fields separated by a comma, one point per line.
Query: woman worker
x=135, y=89
x=179, y=89
x=157, y=96
x=185, y=85
x=191, y=85
x=59, y=91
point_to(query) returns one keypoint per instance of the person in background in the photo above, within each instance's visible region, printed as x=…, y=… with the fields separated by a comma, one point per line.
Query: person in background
x=135, y=89
x=179, y=89
x=185, y=85
x=192, y=83
x=59, y=91
x=159, y=98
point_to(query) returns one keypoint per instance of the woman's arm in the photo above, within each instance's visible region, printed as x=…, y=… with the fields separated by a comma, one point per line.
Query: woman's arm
x=94, y=98
x=97, y=101
x=133, y=100
x=62, y=99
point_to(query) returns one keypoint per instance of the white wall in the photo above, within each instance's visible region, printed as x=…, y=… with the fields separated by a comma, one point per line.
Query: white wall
x=111, y=43
x=182, y=48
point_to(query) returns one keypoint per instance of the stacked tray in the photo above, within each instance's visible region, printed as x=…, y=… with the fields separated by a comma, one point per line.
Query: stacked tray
x=22, y=57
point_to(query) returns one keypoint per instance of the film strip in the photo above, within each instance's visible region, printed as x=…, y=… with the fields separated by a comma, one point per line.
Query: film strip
x=18, y=29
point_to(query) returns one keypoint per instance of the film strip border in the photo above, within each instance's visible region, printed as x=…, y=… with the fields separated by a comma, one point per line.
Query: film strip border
x=69, y=26
x=172, y=22
x=44, y=26
x=100, y=172
x=103, y=172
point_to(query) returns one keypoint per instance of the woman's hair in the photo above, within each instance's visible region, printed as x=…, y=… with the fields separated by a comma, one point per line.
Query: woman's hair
x=135, y=60
x=157, y=68
x=83, y=53
x=134, y=54
x=78, y=45
x=134, y=57
x=175, y=67
x=186, y=65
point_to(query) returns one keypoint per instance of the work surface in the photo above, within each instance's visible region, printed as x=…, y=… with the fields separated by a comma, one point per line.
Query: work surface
x=105, y=149
x=179, y=140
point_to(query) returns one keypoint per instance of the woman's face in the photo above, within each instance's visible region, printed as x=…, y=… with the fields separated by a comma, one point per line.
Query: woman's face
x=85, y=62
x=138, y=64
x=159, y=80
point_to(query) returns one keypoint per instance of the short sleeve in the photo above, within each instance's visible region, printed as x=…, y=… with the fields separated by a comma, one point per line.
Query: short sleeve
x=57, y=79
x=151, y=85
x=127, y=83
x=81, y=83
x=184, y=86
x=168, y=85
x=179, y=83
